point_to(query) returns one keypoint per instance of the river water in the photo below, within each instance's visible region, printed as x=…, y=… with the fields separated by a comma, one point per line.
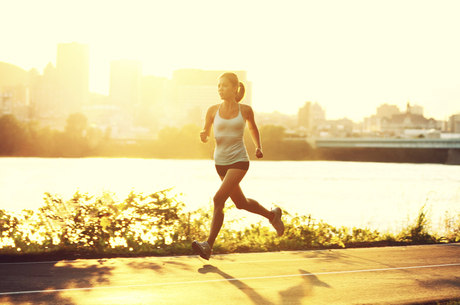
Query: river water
x=383, y=196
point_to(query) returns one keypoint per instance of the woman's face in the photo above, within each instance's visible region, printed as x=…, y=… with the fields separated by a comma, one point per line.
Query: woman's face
x=226, y=89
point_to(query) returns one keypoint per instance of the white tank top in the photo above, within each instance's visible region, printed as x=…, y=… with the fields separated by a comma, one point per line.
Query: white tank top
x=229, y=139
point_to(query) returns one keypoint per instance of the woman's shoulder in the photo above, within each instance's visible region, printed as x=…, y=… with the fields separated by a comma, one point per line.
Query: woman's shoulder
x=246, y=110
x=213, y=107
x=212, y=110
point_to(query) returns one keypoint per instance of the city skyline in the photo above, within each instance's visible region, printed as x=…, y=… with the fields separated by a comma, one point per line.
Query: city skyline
x=53, y=64
x=139, y=106
x=126, y=71
x=349, y=57
x=146, y=80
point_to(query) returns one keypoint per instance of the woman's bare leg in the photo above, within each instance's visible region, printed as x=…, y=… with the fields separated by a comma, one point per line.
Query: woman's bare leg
x=229, y=182
x=248, y=204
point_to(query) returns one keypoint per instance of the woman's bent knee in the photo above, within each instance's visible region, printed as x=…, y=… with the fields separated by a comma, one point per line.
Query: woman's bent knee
x=219, y=203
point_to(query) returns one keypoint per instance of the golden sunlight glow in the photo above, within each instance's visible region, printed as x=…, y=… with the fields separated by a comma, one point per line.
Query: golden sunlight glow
x=349, y=56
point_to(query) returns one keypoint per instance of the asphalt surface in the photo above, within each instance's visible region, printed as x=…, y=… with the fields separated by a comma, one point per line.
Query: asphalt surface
x=389, y=275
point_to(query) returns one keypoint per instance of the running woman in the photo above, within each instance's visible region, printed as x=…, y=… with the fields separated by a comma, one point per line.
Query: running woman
x=231, y=158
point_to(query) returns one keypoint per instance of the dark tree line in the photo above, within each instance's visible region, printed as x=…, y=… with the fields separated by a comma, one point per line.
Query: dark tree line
x=28, y=139
x=80, y=140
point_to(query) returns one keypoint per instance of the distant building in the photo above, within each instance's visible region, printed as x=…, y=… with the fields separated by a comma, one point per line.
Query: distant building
x=318, y=113
x=277, y=118
x=411, y=119
x=72, y=64
x=387, y=111
x=45, y=96
x=124, y=97
x=390, y=121
x=125, y=83
x=372, y=125
x=415, y=109
x=454, y=123
x=11, y=75
x=155, y=96
x=14, y=91
x=310, y=116
x=153, y=90
x=305, y=117
x=340, y=128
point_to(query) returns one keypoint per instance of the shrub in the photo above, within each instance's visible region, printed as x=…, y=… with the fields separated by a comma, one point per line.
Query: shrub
x=156, y=224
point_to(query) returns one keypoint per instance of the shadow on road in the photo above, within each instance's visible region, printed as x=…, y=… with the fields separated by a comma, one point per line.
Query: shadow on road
x=329, y=256
x=159, y=268
x=440, y=283
x=253, y=295
x=346, y=259
x=30, y=277
x=295, y=294
x=292, y=295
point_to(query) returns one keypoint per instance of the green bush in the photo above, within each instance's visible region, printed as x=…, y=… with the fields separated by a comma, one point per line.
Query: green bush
x=156, y=224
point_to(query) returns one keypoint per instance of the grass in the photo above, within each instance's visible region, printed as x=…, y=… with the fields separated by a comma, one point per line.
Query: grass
x=156, y=224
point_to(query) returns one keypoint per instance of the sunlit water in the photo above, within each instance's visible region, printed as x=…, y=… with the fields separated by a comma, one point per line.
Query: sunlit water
x=384, y=196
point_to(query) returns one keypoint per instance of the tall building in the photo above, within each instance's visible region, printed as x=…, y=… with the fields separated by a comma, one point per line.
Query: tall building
x=387, y=111
x=454, y=123
x=318, y=113
x=414, y=109
x=125, y=84
x=153, y=103
x=14, y=91
x=305, y=117
x=412, y=119
x=45, y=97
x=309, y=116
x=288, y=121
x=72, y=64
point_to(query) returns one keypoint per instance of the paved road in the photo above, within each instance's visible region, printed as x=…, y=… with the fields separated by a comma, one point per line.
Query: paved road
x=391, y=275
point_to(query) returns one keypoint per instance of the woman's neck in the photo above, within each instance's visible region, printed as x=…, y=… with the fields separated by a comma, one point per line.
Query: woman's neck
x=229, y=103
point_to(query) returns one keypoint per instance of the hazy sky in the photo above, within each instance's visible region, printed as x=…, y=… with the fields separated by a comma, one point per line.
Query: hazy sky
x=349, y=56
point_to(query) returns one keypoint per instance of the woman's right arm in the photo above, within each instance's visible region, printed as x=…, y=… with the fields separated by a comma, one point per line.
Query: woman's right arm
x=204, y=134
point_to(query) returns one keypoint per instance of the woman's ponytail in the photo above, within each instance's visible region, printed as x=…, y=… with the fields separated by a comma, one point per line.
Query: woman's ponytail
x=240, y=92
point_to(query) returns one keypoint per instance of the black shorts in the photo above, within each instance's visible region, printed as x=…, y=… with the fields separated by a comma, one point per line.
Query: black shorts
x=222, y=169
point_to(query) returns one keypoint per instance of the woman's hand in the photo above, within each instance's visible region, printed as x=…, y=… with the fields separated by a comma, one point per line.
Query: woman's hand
x=259, y=153
x=204, y=136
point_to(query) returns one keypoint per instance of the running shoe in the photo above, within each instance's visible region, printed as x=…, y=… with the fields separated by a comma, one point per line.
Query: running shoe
x=276, y=222
x=202, y=249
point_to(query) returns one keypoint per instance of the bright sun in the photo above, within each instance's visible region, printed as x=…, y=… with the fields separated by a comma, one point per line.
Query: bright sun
x=347, y=56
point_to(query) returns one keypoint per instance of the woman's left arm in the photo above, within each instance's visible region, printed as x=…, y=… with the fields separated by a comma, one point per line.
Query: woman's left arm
x=254, y=131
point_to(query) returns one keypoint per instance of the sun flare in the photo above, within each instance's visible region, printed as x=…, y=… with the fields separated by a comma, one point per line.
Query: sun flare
x=346, y=56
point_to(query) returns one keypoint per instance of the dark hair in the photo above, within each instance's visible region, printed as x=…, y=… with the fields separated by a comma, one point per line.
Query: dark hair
x=233, y=78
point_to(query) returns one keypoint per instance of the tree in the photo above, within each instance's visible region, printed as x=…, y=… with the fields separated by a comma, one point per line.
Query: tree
x=272, y=133
x=73, y=142
x=181, y=143
x=76, y=126
x=12, y=135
